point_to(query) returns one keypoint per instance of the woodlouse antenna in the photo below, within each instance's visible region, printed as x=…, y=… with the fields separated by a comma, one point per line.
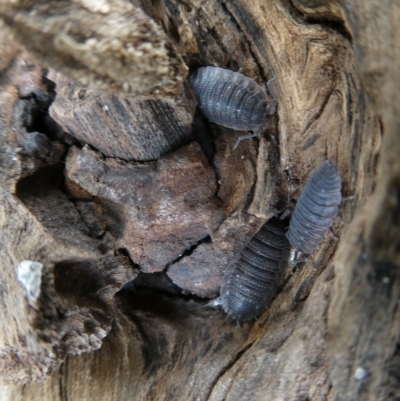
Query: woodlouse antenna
x=214, y=303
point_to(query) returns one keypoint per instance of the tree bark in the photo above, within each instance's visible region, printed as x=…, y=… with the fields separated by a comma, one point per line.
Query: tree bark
x=133, y=205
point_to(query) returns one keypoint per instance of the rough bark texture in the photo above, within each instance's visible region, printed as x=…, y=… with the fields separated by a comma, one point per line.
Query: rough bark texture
x=110, y=45
x=136, y=209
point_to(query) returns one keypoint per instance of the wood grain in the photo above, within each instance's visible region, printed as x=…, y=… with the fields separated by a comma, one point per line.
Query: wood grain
x=330, y=334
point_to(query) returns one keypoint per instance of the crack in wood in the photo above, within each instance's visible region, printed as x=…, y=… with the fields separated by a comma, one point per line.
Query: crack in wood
x=226, y=368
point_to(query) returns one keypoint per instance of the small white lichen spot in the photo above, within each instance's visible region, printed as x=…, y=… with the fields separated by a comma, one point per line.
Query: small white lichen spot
x=125, y=86
x=105, y=108
x=29, y=274
x=360, y=374
x=91, y=42
x=96, y=6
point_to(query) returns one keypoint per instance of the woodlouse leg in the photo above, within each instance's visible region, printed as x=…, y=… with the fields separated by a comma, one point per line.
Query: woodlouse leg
x=301, y=260
x=269, y=313
x=273, y=95
x=290, y=179
x=295, y=261
x=348, y=198
x=277, y=214
x=310, y=264
x=343, y=220
x=254, y=134
x=263, y=319
x=332, y=235
x=288, y=210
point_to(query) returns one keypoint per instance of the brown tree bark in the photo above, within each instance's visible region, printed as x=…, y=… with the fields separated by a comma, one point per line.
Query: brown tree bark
x=128, y=206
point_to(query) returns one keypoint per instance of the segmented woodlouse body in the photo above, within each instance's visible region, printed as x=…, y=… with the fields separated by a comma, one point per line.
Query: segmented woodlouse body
x=231, y=99
x=316, y=208
x=251, y=284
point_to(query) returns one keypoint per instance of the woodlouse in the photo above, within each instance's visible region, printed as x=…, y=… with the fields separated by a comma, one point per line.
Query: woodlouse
x=249, y=287
x=233, y=100
x=316, y=208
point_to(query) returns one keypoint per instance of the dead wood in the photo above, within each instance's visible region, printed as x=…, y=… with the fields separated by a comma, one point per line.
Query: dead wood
x=108, y=45
x=104, y=187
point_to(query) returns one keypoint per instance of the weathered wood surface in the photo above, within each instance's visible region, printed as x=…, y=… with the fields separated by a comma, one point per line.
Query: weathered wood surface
x=330, y=334
x=110, y=45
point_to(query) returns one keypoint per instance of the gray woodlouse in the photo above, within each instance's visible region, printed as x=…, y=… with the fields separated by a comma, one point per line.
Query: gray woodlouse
x=249, y=287
x=316, y=208
x=233, y=100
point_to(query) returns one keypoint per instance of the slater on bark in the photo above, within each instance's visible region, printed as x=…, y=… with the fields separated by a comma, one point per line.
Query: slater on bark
x=251, y=284
x=233, y=100
x=316, y=208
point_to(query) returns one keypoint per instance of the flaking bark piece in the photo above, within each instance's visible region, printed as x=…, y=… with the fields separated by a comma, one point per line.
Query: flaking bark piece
x=25, y=94
x=66, y=306
x=201, y=272
x=110, y=45
x=157, y=210
x=123, y=127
